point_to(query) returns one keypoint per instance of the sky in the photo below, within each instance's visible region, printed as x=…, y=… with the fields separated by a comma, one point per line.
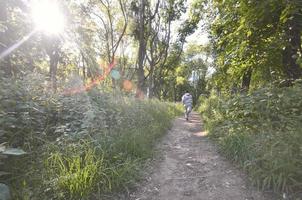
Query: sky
x=200, y=36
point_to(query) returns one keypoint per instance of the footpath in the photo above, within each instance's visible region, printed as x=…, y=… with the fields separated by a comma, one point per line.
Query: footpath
x=189, y=167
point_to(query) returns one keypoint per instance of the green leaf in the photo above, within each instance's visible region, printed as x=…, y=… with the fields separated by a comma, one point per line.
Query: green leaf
x=2, y=173
x=14, y=151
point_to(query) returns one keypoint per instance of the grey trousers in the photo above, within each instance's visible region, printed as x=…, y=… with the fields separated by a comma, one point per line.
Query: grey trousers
x=188, y=109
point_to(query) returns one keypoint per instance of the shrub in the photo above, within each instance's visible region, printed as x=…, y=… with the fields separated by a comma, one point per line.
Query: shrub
x=76, y=171
x=262, y=132
x=77, y=145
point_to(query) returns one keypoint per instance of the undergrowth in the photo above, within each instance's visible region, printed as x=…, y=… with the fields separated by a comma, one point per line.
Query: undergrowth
x=79, y=146
x=262, y=132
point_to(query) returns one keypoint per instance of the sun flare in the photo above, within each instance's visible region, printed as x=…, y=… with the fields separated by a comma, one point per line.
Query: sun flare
x=48, y=17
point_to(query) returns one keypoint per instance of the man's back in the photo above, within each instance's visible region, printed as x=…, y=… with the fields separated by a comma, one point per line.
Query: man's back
x=187, y=99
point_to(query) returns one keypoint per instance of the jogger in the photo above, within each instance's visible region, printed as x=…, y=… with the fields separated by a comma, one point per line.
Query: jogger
x=187, y=101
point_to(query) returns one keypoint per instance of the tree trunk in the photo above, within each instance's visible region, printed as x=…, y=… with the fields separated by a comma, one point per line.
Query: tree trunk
x=141, y=50
x=151, y=81
x=246, y=80
x=53, y=54
x=5, y=62
x=54, y=61
x=290, y=54
x=84, y=67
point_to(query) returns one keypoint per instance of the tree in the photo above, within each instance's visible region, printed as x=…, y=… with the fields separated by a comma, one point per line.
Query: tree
x=52, y=48
x=153, y=33
x=292, y=19
x=5, y=62
x=254, y=42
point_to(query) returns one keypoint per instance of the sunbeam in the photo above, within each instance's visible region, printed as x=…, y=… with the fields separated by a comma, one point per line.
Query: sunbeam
x=17, y=45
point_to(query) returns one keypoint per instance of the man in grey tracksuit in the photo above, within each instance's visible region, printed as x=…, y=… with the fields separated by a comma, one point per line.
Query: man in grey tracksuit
x=187, y=101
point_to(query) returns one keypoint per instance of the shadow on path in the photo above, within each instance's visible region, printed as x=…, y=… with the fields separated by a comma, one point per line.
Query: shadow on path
x=189, y=167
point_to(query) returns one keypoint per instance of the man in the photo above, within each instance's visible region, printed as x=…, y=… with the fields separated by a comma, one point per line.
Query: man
x=187, y=101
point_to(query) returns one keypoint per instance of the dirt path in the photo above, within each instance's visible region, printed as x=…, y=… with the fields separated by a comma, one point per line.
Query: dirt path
x=190, y=168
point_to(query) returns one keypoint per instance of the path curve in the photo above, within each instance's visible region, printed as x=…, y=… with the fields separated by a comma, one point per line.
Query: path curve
x=190, y=168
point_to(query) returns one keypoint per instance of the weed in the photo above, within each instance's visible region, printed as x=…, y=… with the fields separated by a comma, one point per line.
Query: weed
x=262, y=132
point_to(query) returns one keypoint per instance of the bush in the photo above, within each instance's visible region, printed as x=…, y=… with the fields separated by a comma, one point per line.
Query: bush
x=77, y=145
x=76, y=171
x=262, y=132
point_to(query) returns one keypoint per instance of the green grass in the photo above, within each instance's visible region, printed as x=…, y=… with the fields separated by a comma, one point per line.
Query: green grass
x=76, y=171
x=262, y=132
x=83, y=146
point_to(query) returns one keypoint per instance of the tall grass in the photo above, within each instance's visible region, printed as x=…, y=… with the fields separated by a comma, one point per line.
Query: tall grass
x=78, y=146
x=262, y=132
x=74, y=172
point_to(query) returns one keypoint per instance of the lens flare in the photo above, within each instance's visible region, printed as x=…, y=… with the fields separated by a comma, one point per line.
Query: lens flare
x=16, y=45
x=127, y=85
x=115, y=74
x=91, y=84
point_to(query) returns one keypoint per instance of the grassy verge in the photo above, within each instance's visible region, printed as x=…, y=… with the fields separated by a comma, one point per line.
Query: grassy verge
x=262, y=132
x=80, y=146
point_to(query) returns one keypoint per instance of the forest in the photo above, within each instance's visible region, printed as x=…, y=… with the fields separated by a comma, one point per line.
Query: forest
x=88, y=87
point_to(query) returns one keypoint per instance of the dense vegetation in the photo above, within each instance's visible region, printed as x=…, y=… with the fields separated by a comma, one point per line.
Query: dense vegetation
x=256, y=43
x=77, y=145
x=71, y=127
x=253, y=105
x=262, y=132
x=74, y=75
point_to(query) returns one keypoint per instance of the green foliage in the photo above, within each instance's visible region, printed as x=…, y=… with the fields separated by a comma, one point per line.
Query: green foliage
x=75, y=171
x=262, y=132
x=186, y=70
x=254, y=43
x=77, y=145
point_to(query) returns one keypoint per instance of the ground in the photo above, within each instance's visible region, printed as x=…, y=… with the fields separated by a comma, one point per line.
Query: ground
x=189, y=167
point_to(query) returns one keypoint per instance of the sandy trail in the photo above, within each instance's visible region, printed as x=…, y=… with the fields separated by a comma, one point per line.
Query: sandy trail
x=190, y=168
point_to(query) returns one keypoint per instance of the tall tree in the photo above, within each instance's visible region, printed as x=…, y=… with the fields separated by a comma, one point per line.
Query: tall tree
x=153, y=33
x=292, y=34
x=254, y=42
x=5, y=62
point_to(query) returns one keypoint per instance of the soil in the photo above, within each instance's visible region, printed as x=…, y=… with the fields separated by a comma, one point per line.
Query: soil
x=189, y=167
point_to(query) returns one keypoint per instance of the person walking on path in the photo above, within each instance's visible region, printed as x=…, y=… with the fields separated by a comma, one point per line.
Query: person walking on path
x=187, y=101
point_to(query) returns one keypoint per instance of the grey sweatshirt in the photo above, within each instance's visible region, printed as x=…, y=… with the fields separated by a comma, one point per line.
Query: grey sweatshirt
x=187, y=99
